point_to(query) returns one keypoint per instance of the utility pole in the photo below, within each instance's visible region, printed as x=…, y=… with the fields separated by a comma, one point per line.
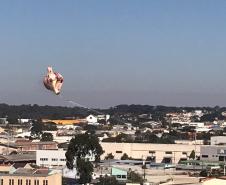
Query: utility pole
x=143, y=166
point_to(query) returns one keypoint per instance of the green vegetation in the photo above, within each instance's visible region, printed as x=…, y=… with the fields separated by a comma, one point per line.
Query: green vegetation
x=106, y=180
x=134, y=177
x=192, y=155
x=80, y=148
x=47, y=137
x=109, y=156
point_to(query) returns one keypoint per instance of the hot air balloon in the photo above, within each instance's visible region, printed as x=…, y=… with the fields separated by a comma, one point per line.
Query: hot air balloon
x=53, y=81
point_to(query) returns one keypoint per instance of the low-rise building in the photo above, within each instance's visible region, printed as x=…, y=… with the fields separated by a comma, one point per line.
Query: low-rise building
x=50, y=158
x=119, y=174
x=22, y=158
x=218, y=140
x=27, y=145
x=213, y=153
x=159, y=153
x=31, y=177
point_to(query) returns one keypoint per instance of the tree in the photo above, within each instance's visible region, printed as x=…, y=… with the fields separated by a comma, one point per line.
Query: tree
x=36, y=129
x=192, y=155
x=134, y=177
x=85, y=169
x=109, y=156
x=106, y=180
x=124, y=157
x=47, y=137
x=12, y=120
x=49, y=126
x=79, y=148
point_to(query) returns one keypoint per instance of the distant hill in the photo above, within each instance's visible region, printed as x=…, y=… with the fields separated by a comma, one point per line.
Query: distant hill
x=56, y=112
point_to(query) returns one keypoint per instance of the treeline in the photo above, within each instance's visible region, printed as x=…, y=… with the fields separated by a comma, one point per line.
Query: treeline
x=37, y=112
x=57, y=112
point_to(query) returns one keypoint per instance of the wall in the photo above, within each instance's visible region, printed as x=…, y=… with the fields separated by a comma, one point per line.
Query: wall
x=55, y=179
x=143, y=150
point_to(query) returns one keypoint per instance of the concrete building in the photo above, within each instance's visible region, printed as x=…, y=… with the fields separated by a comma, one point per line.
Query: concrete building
x=22, y=158
x=218, y=140
x=31, y=177
x=159, y=153
x=27, y=145
x=119, y=174
x=91, y=119
x=215, y=181
x=22, y=121
x=3, y=121
x=7, y=149
x=49, y=158
x=213, y=153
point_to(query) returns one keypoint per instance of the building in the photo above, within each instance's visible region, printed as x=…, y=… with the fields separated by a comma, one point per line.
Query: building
x=119, y=174
x=49, y=158
x=91, y=119
x=213, y=153
x=64, y=121
x=158, y=153
x=218, y=140
x=7, y=149
x=215, y=181
x=21, y=159
x=3, y=121
x=27, y=145
x=22, y=121
x=31, y=177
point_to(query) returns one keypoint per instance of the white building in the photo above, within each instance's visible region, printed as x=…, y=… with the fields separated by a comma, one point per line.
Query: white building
x=23, y=120
x=197, y=124
x=159, y=153
x=3, y=121
x=216, y=140
x=91, y=119
x=213, y=153
x=50, y=158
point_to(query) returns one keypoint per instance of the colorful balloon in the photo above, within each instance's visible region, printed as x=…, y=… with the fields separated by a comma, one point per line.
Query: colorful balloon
x=53, y=81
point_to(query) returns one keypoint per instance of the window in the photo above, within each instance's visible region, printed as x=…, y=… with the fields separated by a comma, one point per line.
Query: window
x=204, y=156
x=123, y=176
x=11, y=181
x=119, y=176
x=45, y=182
x=118, y=152
x=151, y=152
x=20, y=182
x=168, y=152
x=36, y=182
x=54, y=159
x=43, y=159
x=184, y=153
x=221, y=158
x=62, y=159
x=28, y=182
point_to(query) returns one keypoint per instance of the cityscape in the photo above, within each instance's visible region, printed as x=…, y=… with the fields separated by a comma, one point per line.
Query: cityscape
x=125, y=144
x=97, y=92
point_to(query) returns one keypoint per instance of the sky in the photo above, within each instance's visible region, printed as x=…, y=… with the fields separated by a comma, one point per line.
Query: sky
x=114, y=52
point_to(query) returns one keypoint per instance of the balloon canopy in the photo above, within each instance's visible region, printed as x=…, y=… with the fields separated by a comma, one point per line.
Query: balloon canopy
x=53, y=81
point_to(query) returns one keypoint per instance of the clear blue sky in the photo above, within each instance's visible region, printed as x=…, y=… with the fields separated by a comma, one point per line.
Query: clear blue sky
x=114, y=52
